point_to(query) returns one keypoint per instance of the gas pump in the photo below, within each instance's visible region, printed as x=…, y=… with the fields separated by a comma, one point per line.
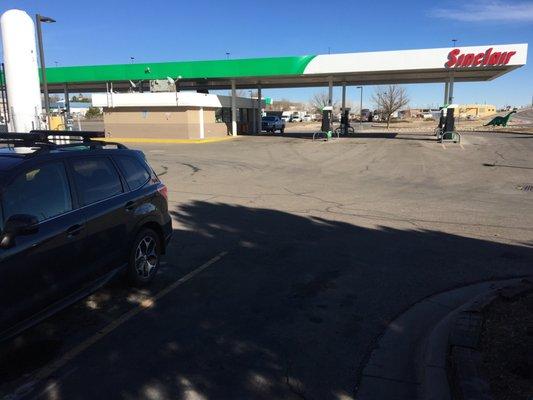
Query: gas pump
x=446, y=129
x=326, y=119
x=325, y=129
x=345, y=121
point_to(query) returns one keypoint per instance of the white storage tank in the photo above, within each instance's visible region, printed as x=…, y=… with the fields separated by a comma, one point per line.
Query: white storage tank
x=21, y=70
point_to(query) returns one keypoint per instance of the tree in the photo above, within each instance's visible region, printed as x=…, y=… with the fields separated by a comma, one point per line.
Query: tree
x=54, y=98
x=390, y=99
x=319, y=101
x=93, y=112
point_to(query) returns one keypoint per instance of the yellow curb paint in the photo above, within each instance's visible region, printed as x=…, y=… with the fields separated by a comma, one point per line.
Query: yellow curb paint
x=160, y=140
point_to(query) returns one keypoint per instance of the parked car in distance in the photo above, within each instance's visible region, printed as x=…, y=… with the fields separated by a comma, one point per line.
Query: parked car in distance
x=272, y=124
x=295, y=117
x=286, y=116
x=73, y=216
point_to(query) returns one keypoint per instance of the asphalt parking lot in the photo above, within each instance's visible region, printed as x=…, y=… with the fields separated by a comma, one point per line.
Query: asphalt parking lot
x=293, y=257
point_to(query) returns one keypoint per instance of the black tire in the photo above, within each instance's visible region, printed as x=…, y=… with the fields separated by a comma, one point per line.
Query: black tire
x=143, y=267
x=282, y=130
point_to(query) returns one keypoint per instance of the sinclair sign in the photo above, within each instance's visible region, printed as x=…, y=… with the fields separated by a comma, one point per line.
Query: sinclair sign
x=457, y=59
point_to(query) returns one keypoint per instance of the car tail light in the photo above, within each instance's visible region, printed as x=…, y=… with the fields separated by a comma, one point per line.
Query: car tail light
x=163, y=190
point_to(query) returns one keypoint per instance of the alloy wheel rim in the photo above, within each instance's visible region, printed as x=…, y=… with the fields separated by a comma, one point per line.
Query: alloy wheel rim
x=146, y=256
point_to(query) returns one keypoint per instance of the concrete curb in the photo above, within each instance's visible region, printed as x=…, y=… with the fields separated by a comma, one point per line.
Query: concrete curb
x=464, y=345
x=410, y=359
x=170, y=141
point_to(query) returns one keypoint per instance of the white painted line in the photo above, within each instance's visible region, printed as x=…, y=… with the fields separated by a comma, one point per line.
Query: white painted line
x=461, y=145
x=444, y=147
x=48, y=370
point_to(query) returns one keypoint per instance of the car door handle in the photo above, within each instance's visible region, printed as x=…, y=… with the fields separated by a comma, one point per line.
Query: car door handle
x=130, y=205
x=74, y=230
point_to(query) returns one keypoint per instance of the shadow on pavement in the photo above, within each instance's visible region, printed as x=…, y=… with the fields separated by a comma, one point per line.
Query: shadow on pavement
x=309, y=135
x=291, y=312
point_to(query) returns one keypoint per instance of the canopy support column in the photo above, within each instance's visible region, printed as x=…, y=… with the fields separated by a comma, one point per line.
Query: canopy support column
x=67, y=100
x=330, y=92
x=259, y=111
x=201, y=122
x=446, y=92
x=233, y=108
x=450, y=91
x=252, y=114
x=343, y=97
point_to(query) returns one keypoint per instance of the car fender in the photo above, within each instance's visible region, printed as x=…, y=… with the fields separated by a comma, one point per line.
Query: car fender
x=153, y=222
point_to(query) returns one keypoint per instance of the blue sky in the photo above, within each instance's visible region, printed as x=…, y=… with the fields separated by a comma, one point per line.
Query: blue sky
x=105, y=32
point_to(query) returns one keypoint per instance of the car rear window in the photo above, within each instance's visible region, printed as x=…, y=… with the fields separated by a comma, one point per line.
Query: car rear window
x=133, y=170
x=96, y=179
x=269, y=118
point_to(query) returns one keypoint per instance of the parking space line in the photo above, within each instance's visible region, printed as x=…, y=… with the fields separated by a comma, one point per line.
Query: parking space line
x=444, y=147
x=461, y=145
x=47, y=371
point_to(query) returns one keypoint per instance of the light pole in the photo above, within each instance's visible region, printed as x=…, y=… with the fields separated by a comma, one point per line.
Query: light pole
x=361, y=107
x=38, y=20
x=454, y=41
x=227, y=55
x=132, y=59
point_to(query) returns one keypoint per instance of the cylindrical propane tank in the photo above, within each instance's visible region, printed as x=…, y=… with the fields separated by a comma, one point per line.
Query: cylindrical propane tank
x=22, y=73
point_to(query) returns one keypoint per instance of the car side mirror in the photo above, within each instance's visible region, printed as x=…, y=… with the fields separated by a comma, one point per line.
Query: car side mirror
x=18, y=225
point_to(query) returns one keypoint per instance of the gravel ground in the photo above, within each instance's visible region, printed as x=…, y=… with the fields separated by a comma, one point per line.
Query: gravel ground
x=507, y=345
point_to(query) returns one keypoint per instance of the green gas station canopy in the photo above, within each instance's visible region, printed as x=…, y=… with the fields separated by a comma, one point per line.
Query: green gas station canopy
x=215, y=69
x=464, y=64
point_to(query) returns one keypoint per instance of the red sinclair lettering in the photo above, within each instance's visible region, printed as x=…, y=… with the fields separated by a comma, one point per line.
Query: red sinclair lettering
x=477, y=59
x=488, y=58
x=452, y=58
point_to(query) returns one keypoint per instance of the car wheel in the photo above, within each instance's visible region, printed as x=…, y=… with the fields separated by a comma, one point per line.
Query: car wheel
x=282, y=130
x=144, y=259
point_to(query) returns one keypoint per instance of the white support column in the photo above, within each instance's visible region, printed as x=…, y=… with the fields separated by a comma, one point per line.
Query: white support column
x=201, y=122
x=233, y=108
x=450, y=91
x=330, y=92
x=259, y=111
x=343, y=97
x=446, y=92
x=252, y=126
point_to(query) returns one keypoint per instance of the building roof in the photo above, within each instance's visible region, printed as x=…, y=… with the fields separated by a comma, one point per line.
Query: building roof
x=475, y=63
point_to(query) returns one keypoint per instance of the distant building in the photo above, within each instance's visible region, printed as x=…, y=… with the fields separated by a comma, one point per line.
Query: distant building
x=475, y=110
x=424, y=113
x=75, y=107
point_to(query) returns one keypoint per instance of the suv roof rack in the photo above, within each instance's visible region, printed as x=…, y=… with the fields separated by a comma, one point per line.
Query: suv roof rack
x=45, y=139
x=83, y=134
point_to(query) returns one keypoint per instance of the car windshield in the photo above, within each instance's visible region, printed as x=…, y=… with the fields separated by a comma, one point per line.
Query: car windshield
x=269, y=118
